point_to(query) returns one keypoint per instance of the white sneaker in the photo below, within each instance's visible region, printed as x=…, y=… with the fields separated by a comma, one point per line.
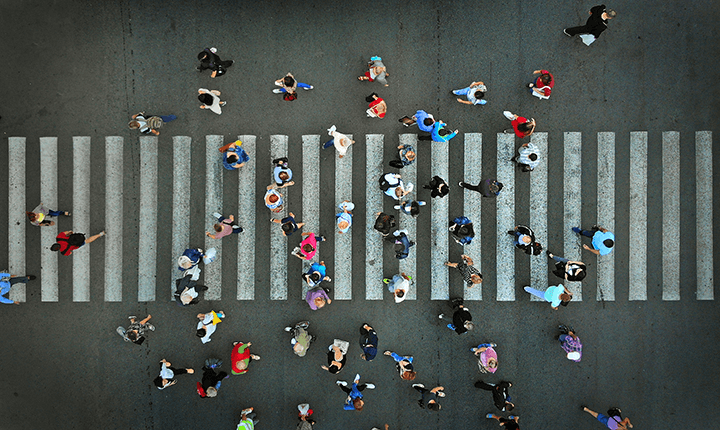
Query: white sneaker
x=308, y=88
x=357, y=377
x=441, y=316
x=216, y=214
x=370, y=386
x=343, y=383
x=409, y=187
x=277, y=90
x=418, y=385
x=213, y=50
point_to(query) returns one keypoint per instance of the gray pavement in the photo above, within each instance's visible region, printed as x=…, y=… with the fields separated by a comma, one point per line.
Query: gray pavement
x=86, y=67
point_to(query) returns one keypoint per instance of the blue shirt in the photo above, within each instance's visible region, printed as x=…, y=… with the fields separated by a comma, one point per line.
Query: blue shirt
x=435, y=133
x=354, y=394
x=277, y=171
x=420, y=117
x=317, y=267
x=241, y=154
x=5, y=288
x=597, y=241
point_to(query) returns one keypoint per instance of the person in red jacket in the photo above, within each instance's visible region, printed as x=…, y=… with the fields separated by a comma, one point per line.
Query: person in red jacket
x=543, y=85
x=522, y=127
x=68, y=241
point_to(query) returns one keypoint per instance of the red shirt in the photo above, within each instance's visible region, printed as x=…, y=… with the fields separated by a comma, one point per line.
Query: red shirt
x=375, y=103
x=65, y=247
x=547, y=89
x=515, y=123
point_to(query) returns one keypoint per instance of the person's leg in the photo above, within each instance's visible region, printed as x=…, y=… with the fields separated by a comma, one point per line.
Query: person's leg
x=18, y=279
x=484, y=385
x=587, y=233
x=55, y=213
x=574, y=31
x=470, y=187
x=178, y=371
x=536, y=293
x=462, y=92
x=319, y=238
x=329, y=143
x=305, y=86
x=396, y=357
x=345, y=389
x=560, y=259
x=93, y=237
x=168, y=118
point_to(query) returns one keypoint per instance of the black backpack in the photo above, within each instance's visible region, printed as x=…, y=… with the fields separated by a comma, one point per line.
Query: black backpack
x=384, y=184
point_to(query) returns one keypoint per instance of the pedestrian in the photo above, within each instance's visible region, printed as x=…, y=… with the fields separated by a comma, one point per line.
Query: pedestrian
x=486, y=356
x=425, y=123
x=167, y=375
x=470, y=274
x=68, y=241
x=486, y=187
x=402, y=243
x=461, y=320
x=288, y=224
x=336, y=356
x=542, y=85
x=234, y=156
x=148, y=124
x=247, y=419
x=301, y=338
x=569, y=270
x=404, y=365
x=398, y=285
x=524, y=239
x=210, y=60
x=308, y=246
x=368, y=342
x=39, y=216
x=462, y=230
x=613, y=420
x=210, y=99
x=304, y=412
x=187, y=291
x=594, y=26
x=570, y=343
x=438, y=187
x=474, y=93
x=224, y=227
x=557, y=295
x=500, y=394
x=6, y=283
x=377, y=107
x=509, y=423
x=439, y=134
x=354, y=401
x=392, y=185
x=411, y=208
x=288, y=87
x=344, y=218
x=341, y=141
x=137, y=330
x=384, y=223
x=274, y=200
x=602, y=239
x=211, y=379
x=528, y=157
x=316, y=274
x=240, y=358
x=406, y=156
x=317, y=297
x=189, y=262
x=376, y=71
x=282, y=173
x=429, y=398
x=208, y=324
x=521, y=126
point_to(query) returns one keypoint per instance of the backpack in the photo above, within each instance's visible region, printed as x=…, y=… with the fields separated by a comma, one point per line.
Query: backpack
x=289, y=96
x=154, y=122
x=384, y=184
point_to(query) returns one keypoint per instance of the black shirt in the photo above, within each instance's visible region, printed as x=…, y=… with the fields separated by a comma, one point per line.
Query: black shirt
x=595, y=24
x=459, y=318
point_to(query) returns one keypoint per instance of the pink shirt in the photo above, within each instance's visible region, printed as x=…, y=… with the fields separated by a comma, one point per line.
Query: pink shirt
x=312, y=241
x=485, y=356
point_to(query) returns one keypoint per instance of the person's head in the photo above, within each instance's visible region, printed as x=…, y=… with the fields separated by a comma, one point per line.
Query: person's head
x=55, y=247
x=610, y=13
x=287, y=227
x=414, y=208
x=218, y=228
x=545, y=78
x=283, y=176
x=371, y=97
x=495, y=187
x=443, y=132
x=609, y=243
x=203, y=55
x=410, y=155
x=205, y=99
x=343, y=224
x=358, y=404
x=201, y=332
x=308, y=248
x=288, y=81
x=479, y=94
x=565, y=297
x=428, y=122
x=241, y=365
x=469, y=325
x=159, y=381
x=132, y=335
x=315, y=277
x=463, y=230
x=184, y=262
x=211, y=392
x=492, y=363
x=273, y=198
x=527, y=239
x=379, y=224
x=398, y=191
x=134, y=125
x=232, y=158
x=509, y=406
x=408, y=375
x=399, y=293
x=525, y=127
x=433, y=405
x=532, y=156
x=476, y=278
x=319, y=302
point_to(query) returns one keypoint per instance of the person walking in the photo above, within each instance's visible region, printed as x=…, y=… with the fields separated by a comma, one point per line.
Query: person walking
x=211, y=378
x=248, y=419
x=594, y=26
x=524, y=239
x=470, y=274
x=354, y=401
x=613, y=420
x=368, y=342
x=336, y=356
x=187, y=291
x=486, y=187
x=137, y=330
x=288, y=224
x=461, y=320
x=208, y=324
x=167, y=375
x=404, y=365
x=521, y=126
x=6, y=283
x=317, y=297
x=288, y=85
x=500, y=394
x=574, y=271
x=602, y=239
x=542, y=86
x=189, y=263
x=557, y=295
x=398, y=286
x=304, y=412
x=210, y=99
x=308, y=246
x=402, y=243
x=474, y=93
x=486, y=356
x=344, y=218
x=281, y=173
x=234, y=156
x=384, y=223
x=429, y=398
x=301, y=338
x=339, y=140
x=462, y=230
x=438, y=187
x=149, y=124
x=39, y=216
x=224, y=227
x=68, y=241
x=509, y=423
x=377, y=107
x=528, y=157
x=570, y=343
x=439, y=134
x=411, y=208
x=425, y=123
x=210, y=60
x=240, y=358
x=392, y=185
x=406, y=156
x=316, y=274
x=376, y=71
x=274, y=200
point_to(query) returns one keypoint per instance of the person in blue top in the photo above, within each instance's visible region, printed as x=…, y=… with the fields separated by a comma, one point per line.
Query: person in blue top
x=462, y=230
x=602, y=239
x=439, y=134
x=354, y=401
x=425, y=122
x=282, y=173
x=316, y=274
x=557, y=295
x=234, y=157
x=7, y=281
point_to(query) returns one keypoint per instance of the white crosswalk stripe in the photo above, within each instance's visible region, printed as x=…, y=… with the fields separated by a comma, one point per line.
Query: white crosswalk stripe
x=348, y=246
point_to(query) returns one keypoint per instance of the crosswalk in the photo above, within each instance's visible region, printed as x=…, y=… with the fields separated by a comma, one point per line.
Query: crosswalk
x=349, y=248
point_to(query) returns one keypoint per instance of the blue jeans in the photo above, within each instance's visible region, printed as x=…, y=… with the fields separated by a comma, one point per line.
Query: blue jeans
x=560, y=259
x=399, y=358
x=462, y=92
x=603, y=419
x=586, y=233
x=55, y=213
x=329, y=143
x=167, y=118
x=536, y=293
x=299, y=84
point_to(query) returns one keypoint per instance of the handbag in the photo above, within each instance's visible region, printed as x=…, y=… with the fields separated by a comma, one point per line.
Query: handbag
x=342, y=344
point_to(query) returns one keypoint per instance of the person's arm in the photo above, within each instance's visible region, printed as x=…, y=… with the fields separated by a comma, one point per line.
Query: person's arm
x=480, y=350
x=449, y=264
x=568, y=292
x=594, y=251
x=465, y=102
x=467, y=260
x=338, y=353
x=477, y=83
x=627, y=422
x=214, y=73
x=436, y=389
x=602, y=229
x=208, y=234
x=536, y=72
x=145, y=320
x=305, y=234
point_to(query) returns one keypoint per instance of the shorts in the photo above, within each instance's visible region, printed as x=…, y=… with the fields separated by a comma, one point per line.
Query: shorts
x=603, y=419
